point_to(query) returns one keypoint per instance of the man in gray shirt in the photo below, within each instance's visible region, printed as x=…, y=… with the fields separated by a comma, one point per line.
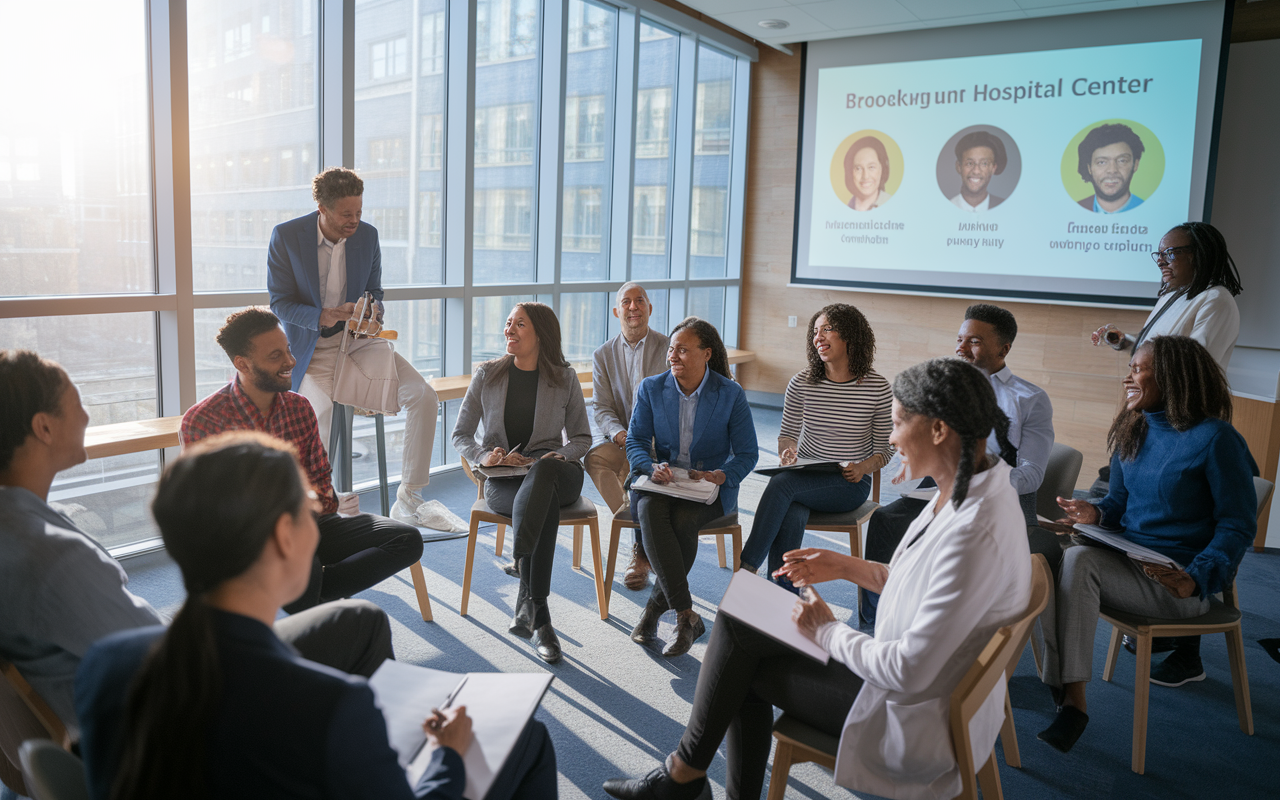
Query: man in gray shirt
x=61, y=591
x=618, y=367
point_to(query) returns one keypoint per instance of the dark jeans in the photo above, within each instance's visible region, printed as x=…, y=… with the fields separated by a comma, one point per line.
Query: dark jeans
x=744, y=675
x=349, y=635
x=533, y=502
x=889, y=524
x=530, y=771
x=356, y=553
x=669, y=527
x=784, y=511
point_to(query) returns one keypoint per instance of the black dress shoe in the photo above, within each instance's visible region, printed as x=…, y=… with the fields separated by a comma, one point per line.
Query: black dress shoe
x=547, y=644
x=646, y=629
x=1066, y=729
x=689, y=627
x=657, y=785
x=512, y=569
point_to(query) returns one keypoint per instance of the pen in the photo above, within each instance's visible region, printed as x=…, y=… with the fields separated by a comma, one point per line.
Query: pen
x=433, y=722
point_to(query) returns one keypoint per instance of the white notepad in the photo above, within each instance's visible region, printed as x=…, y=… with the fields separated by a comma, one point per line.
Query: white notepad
x=1116, y=541
x=767, y=607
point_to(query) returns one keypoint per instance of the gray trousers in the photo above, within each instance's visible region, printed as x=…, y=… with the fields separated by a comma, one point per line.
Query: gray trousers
x=1092, y=577
x=352, y=636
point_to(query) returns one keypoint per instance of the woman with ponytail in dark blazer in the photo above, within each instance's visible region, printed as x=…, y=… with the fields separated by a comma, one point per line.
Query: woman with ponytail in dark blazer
x=216, y=705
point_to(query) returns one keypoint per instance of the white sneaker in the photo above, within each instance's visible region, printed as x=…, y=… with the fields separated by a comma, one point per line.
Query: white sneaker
x=433, y=514
x=401, y=512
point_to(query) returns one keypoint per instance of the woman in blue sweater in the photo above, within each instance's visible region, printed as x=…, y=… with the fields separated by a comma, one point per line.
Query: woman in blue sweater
x=1182, y=485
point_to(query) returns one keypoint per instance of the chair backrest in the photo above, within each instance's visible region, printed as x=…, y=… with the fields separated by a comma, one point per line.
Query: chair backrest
x=52, y=773
x=1263, y=488
x=476, y=477
x=23, y=715
x=989, y=668
x=1060, y=477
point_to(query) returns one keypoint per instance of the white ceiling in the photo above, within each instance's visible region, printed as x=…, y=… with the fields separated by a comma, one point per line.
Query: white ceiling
x=832, y=19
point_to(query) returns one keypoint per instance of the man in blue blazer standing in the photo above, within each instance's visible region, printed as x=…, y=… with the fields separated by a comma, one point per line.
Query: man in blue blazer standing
x=695, y=418
x=318, y=266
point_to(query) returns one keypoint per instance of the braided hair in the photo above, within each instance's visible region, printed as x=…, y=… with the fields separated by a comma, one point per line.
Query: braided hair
x=1211, y=264
x=709, y=338
x=1192, y=385
x=959, y=394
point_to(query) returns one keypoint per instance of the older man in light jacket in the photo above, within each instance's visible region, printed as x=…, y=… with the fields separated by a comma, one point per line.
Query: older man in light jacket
x=619, y=365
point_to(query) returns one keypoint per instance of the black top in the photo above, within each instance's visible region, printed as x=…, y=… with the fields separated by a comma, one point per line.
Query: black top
x=522, y=404
x=286, y=728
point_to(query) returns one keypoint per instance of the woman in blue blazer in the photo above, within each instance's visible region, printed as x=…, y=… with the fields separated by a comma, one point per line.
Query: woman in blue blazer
x=215, y=705
x=696, y=418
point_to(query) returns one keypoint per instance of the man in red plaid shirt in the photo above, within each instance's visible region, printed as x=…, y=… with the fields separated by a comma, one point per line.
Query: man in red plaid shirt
x=355, y=552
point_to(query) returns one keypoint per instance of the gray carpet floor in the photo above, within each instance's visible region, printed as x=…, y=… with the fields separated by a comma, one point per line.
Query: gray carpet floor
x=616, y=708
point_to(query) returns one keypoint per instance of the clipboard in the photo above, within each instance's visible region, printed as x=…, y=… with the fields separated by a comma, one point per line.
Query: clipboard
x=766, y=606
x=804, y=465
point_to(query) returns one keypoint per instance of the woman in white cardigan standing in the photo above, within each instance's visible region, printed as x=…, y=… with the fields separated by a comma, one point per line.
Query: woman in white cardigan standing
x=1198, y=285
x=962, y=571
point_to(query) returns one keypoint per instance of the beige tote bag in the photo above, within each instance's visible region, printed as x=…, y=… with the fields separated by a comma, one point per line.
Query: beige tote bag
x=365, y=375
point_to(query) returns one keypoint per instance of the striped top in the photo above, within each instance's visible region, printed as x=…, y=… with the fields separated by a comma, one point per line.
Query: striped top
x=838, y=421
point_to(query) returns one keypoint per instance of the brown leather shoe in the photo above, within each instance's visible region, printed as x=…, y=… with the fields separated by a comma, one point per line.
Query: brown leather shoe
x=637, y=575
x=689, y=627
x=646, y=629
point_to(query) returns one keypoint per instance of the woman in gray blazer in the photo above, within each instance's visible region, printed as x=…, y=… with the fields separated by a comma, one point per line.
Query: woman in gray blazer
x=530, y=404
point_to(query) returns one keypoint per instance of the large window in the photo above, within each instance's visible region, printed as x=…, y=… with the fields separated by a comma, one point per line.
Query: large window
x=487, y=184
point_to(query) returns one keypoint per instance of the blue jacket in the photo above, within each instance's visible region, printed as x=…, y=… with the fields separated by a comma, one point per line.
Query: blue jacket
x=284, y=727
x=293, y=279
x=724, y=435
x=1188, y=496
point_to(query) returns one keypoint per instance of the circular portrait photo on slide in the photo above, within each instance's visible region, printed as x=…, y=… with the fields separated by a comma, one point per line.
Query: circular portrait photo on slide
x=866, y=170
x=978, y=168
x=1112, y=166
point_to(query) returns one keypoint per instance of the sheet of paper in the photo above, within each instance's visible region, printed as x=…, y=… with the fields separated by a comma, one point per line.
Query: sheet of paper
x=807, y=464
x=1116, y=540
x=407, y=694
x=766, y=606
x=699, y=491
x=504, y=472
x=922, y=494
x=499, y=705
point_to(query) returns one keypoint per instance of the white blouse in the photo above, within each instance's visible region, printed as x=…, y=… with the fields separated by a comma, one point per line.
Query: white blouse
x=1211, y=318
x=946, y=595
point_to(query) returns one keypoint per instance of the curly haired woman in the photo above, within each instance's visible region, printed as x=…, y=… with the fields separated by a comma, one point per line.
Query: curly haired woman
x=837, y=409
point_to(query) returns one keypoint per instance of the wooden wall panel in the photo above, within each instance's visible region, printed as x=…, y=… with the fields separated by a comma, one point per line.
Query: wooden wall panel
x=1052, y=349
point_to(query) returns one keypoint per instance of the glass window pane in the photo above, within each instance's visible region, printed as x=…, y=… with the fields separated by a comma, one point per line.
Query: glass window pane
x=399, y=133
x=505, y=175
x=75, y=157
x=588, y=134
x=713, y=124
x=112, y=360
x=488, y=318
x=253, y=132
x=655, y=125
x=707, y=302
x=584, y=325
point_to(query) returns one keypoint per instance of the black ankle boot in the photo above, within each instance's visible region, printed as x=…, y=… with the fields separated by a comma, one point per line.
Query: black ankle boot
x=689, y=627
x=647, y=628
x=522, y=622
x=544, y=637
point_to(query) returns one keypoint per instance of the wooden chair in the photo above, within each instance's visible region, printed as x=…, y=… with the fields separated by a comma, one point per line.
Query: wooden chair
x=848, y=522
x=340, y=447
x=719, y=528
x=578, y=514
x=23, y=715
x=1222, y=617
x=798, y=742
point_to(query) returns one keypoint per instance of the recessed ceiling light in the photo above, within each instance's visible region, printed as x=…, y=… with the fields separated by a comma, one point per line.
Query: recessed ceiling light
x=775, y=24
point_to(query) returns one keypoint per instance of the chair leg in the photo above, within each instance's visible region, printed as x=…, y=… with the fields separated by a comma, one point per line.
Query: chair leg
x=720, y=548
x=855, y=541
x=471, y=557
x=615, y=534
x=502, y=533
x=1240, y=678
x=783, y=756
x=420, y=587
x=577, y=547
x=1009, y=736
x=1141, y=696
x=380, y=436
x=1113, y=654
x=989, y=779
x=737, y=547
x=602, y=599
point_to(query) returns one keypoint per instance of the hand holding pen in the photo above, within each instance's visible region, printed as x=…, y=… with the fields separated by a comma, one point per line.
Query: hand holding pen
x=448, y=726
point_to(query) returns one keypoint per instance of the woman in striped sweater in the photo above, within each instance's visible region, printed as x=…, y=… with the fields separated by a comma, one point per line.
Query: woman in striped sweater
x=836, y=410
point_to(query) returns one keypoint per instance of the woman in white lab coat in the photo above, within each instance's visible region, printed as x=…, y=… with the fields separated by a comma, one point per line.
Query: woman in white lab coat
x=962, y=571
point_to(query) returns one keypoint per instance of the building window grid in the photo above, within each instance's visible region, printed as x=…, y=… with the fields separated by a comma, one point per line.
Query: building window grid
x=514, y=214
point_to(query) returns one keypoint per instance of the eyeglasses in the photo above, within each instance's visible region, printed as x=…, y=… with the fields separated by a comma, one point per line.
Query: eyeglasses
x=1169, y=253
x=984, y=163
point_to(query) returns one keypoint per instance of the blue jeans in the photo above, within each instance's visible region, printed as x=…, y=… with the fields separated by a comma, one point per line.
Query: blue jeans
x=784, y=511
